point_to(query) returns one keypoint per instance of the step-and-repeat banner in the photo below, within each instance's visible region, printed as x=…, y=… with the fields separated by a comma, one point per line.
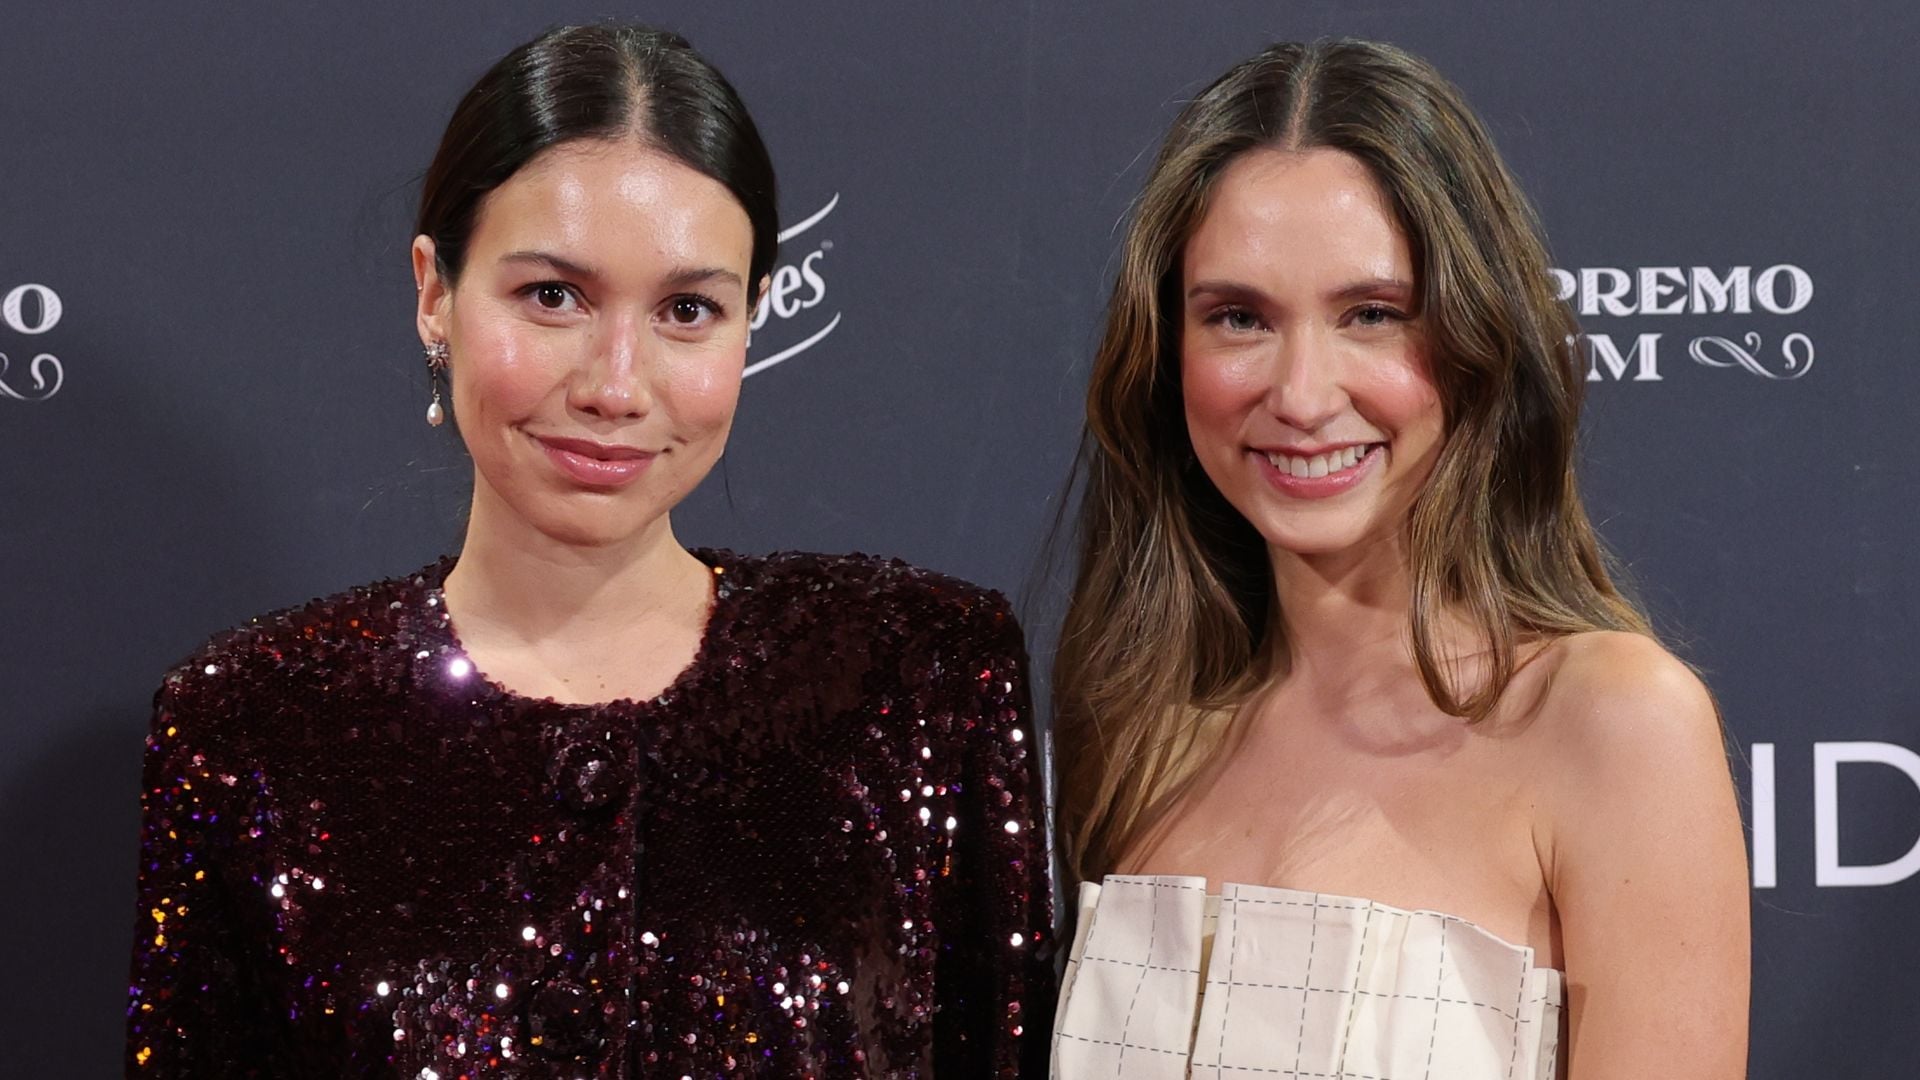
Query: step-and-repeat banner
x=211, y=397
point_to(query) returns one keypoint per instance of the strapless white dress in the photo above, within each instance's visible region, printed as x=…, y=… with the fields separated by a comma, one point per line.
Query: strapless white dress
x=1297, y=985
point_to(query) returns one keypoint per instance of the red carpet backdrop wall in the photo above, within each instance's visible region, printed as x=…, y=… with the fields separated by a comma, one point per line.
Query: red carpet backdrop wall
x=211, y=397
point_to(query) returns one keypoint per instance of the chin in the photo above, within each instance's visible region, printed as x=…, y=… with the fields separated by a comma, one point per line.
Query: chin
x=1313, y=539
x=1311, y=547
x=586, y=525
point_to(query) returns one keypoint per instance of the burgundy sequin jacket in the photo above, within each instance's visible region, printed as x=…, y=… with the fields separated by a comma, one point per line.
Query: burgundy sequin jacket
x=818, y=853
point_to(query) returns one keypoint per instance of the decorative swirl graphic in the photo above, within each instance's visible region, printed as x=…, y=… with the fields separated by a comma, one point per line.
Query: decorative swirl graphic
x=792, y=351
x=812, y=219
x=42, y=389
x=1796, y=350
x=797, y=285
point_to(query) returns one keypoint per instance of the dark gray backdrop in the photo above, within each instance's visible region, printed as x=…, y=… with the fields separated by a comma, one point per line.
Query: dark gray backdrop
x=231, y=416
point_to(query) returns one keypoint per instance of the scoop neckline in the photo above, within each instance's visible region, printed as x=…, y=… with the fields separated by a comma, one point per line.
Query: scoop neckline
x=720, y=590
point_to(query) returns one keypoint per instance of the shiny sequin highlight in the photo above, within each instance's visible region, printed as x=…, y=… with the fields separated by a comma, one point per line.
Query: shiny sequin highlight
x=813, y=854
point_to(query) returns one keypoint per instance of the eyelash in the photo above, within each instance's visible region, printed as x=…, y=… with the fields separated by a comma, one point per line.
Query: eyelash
x=1387, y=313
x=1221, y=316
x=532, y=290
x=714, y=307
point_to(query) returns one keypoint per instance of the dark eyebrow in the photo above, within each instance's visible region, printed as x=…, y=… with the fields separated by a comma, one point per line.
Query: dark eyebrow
x=1351, y=291
x=1374, y=287
x=565, y=266
x=700, y=275
x=678, y=279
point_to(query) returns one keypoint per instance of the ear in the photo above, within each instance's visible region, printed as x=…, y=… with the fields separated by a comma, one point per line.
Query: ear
x=435, y=293
x=760, y=295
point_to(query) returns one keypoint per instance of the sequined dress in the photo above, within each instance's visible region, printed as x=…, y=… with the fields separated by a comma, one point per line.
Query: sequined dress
x=816, y=854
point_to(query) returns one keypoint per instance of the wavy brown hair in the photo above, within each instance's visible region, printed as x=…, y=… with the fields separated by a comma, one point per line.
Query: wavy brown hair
x=1173, y=616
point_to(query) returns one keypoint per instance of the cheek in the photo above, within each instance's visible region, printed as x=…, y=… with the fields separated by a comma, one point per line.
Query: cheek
x=501, y=373
x=1400, y=397
x=701, y=391
x=1401, y=400
x=1220, y=391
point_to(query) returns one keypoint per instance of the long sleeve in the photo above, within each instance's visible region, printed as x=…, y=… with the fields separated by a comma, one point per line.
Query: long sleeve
x=194, y=1007
x=995, y=981
x=358, y=860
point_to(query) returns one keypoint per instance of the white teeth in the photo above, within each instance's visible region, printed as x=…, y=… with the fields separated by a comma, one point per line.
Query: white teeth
x=1320, y=465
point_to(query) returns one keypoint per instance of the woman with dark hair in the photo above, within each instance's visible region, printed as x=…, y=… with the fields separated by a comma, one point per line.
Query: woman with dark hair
x=1368, y=769
x=583, y=801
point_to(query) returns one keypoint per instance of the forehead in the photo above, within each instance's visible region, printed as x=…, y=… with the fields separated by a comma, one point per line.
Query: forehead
x=616, y=196
x=1310, y=215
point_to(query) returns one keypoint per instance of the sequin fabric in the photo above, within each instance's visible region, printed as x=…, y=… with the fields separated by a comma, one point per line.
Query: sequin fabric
x=816, y=854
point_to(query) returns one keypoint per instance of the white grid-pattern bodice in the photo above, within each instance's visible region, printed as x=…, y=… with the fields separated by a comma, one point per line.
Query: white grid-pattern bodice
x=1299, y=985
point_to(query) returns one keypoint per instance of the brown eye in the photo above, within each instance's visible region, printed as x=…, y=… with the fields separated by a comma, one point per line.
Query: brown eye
x=551, y=295
x=1375, y=315
x=691, y=310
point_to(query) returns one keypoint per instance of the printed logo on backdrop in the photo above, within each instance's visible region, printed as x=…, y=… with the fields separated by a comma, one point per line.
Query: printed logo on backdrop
x=1659, y=297
x=1830, y=870
x=794, y=316
x=27, y=311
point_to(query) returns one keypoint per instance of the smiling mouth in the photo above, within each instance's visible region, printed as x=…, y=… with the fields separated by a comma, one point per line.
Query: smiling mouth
x=1316, y=466
x=587, y=448
x=593, y=464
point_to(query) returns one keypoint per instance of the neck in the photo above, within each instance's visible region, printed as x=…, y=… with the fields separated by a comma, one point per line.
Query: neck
x=1345, y=611
x=516, y=582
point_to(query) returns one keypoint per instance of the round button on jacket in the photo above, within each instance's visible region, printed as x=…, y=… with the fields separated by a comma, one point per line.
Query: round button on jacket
x=588, y=775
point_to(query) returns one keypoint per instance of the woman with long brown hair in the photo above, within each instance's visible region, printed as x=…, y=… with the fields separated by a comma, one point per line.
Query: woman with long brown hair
x=1368, y=768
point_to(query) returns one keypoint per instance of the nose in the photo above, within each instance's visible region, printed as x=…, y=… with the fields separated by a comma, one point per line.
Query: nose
x=613, y=381
x=1305, y=390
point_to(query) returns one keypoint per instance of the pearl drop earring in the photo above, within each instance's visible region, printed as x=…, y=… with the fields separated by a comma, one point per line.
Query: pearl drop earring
x=436, y=369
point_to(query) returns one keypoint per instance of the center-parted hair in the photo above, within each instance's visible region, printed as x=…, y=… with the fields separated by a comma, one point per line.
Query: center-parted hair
x=596, y=82
x=1173, y=617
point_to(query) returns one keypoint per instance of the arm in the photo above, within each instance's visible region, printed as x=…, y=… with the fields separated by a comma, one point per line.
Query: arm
x=1647, y=867
x=190, y=1012
x=994, y=981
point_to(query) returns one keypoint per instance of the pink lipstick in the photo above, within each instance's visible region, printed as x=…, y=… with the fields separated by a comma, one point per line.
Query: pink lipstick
x=595, y=464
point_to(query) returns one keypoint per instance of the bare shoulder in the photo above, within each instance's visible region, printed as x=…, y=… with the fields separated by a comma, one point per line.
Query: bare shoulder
x=1621, y=715
x=1638, y=831
x=1606, y=686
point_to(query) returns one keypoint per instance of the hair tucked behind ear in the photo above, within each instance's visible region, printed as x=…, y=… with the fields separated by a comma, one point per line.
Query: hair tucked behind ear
x=1171, y=617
